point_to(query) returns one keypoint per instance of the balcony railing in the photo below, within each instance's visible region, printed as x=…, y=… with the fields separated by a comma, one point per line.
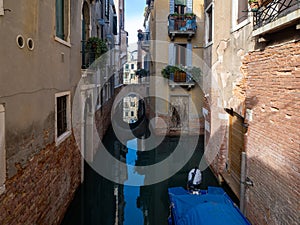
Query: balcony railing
x=145, y=41
x=182, y=25
x=271, y=11
x=181, y=78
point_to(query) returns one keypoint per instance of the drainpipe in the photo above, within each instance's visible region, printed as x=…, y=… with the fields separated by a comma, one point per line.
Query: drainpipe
x=243, y=182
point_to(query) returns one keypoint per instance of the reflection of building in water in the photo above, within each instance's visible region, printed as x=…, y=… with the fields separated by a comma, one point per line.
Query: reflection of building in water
x=130, y=68
x=130, y=108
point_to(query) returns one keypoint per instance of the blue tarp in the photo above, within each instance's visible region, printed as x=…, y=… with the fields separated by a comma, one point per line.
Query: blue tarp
x=211, y=207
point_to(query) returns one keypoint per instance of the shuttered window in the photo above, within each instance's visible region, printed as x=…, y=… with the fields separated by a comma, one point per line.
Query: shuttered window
x=242, y=11
x=60, y=19
x=180, y=50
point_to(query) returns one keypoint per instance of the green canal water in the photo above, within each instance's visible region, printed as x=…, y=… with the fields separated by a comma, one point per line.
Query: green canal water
x=99, y=201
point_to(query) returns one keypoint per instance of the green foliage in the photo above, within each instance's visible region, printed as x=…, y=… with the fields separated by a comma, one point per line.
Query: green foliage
x=141, y=73
x=168, y=70
x=189, y=15
x=194, y=72
x=97, y=46
x=252, y=1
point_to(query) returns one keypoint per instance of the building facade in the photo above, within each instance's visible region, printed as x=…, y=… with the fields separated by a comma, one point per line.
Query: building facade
x=252, y=105
x=175, y=31
x=40, y=69
x=48, y=79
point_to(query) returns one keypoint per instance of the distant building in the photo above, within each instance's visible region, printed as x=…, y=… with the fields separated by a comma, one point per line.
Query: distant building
x=175, y=27
x=130, y=68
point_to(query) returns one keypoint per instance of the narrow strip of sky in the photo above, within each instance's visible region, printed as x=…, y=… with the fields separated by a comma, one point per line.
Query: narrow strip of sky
x=134, y=18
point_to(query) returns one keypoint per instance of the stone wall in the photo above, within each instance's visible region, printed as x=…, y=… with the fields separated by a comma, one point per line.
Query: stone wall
x=273, y=143
x=40, y=192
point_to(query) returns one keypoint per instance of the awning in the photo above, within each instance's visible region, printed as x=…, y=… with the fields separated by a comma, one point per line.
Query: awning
x=180, y=2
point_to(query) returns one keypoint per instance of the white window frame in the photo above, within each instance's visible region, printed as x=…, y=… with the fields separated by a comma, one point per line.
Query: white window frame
x=67, y=133
x=210, y=6
x=2, y=150
x=1, y=8
x=234, y=17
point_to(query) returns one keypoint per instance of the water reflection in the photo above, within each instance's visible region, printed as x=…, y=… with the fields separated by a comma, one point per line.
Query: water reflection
x=102, y=202
x=132, y=214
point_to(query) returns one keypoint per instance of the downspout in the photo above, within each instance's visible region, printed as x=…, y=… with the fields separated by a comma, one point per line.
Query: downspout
x=243, y=180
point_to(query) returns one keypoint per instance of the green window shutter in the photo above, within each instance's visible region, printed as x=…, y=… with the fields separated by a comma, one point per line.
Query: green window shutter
x=60, y=19
x=189, y=6
x=180, y=2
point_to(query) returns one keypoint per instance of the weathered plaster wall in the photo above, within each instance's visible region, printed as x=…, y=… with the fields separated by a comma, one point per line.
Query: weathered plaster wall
x=40, y=177
x=31, y=78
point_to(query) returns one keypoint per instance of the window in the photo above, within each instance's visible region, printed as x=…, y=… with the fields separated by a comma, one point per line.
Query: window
x=180, y=6
x=209, y=24
x=132, y=113
x=62, y=116
x=132, y=66
x=62, y=19
x=107, y=8
x=242, y=11
x=239, y=14
x=180, y=54
x=2, y=149
x=132, y=104
x=126, y=66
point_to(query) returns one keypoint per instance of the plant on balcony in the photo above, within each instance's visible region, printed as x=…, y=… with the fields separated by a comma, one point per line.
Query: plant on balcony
x=254, y=5
x=141, y=73
x=168, y=71
x=173, y=16
x=189, y=15
x=193, y=73
x=96, y=46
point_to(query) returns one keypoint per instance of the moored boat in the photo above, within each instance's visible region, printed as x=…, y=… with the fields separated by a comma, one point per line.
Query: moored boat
x=205, y=207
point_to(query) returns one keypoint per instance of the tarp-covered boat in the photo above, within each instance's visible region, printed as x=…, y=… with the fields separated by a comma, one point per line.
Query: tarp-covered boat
x=209, y=207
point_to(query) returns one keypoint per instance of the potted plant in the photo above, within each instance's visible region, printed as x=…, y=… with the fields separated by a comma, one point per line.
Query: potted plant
x=168, y=71
x=189, y=16
x=254, y=5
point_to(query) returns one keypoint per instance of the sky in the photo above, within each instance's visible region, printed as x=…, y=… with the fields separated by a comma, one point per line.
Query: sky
x=134, y=18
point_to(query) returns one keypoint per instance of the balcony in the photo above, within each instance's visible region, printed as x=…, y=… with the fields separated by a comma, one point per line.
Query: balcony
x=91, y=50
x=181, y=78
x=182, y=25
x=145, y=41
x=274, y=15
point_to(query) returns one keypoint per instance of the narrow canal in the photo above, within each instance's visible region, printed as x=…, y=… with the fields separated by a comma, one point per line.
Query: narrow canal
x=99, y=201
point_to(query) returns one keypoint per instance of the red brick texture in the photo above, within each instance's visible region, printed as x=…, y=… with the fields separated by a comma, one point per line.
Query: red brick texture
x=40, y=192
x=273, y=144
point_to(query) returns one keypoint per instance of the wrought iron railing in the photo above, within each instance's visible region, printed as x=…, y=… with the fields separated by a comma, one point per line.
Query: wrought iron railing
x=270, y=11
x=87, y=57
x=145, y=40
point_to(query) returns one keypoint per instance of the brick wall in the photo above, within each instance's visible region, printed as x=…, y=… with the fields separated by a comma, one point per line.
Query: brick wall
x=273, y=144
x=40, y=192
